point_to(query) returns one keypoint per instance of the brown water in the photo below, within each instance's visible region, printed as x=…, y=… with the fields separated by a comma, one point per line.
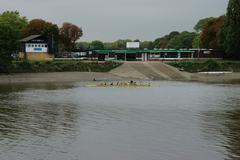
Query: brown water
x=170, y=121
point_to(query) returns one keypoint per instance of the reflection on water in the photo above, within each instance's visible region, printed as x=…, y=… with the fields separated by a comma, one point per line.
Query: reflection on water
x=224, y=126
x=173, y=120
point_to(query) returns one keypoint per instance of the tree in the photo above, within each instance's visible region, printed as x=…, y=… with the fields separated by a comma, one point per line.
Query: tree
x=10, y=25
x=196, y=41
x=183, y=40
x=14, y=19
x=146, y=45
x=41, y=27
x=108, y=45
x=96, y=45
x=202, y=23
x=120, y=44
x=69, y=34
x=231, y=31
x=210, y=36
x=83, y=46
x=164, y=41
x=8, y=44
x=136, y=40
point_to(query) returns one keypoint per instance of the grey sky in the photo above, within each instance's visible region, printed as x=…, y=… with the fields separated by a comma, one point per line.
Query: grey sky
x=109, y=20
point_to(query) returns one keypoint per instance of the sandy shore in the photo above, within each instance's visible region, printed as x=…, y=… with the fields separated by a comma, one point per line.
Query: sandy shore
x=231, y=78
x=55, y=77
x=61, y=77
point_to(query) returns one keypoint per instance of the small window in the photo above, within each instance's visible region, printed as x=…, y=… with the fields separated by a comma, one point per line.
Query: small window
x=32, y=45
x=35, y=45
x=42, y=45
x=45, y=45
x=29, y=45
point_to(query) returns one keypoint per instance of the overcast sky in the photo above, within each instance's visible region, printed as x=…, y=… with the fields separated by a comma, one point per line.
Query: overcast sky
x=108, y=20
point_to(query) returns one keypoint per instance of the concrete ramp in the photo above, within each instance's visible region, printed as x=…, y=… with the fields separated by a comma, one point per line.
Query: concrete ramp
x=150, y=70
x=172, y=72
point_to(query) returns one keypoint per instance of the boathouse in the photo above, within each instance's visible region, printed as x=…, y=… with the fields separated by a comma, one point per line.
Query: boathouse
x=37, y=47
x=156, y=54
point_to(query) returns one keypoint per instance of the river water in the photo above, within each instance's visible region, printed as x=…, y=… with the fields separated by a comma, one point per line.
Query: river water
x=169, y=121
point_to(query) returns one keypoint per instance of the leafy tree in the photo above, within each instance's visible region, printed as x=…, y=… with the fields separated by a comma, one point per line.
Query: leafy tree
x=10, y=25
x=108, y=45
x=120, y=44
x=183, y=40
x=69, y=34
x=14, y=19
x=202, y=23
x=39, y=26
x=163, y=42
x=172, y=35
x=136, y=40
x=231, y=31
x=96, y=45
x=196, y=41
x=146, y=45
x=8, y=44
x=83, y=45
x=160, y=42
x=211, y=32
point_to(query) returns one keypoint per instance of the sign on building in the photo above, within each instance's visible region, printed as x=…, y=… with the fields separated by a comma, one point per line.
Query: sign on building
x=133, y=45
x=36, y=47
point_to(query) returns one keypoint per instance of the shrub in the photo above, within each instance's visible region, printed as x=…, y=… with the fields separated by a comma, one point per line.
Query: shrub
x=209, y=65
x=61, y=66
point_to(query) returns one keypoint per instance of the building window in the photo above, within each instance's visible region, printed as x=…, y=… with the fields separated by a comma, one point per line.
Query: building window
x=45, y=45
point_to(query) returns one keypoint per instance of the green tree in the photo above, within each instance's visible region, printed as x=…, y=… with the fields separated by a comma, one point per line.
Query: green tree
x=10, y=25
x=108, y=45
x=146, y=45
x=202, y=23
x=163, y=42
x=14, y=19
x=196, y=41
x=231, y=31
x=96, y=45
x=9, y=42
x=120, y=44
x=183, y=40
x=83, y=45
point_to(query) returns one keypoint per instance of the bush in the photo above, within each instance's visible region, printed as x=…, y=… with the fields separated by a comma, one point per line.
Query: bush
x=61, y=66
x=209, y=65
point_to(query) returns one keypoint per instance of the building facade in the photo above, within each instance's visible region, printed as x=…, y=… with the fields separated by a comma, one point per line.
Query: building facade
x=156, y=55
x=37, y=47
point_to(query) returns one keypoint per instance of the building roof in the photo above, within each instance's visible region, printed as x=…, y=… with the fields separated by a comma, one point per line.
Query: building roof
x=145, y=51
x=29, y=38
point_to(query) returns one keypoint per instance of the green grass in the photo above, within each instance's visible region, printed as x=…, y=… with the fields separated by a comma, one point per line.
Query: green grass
x=61, y=66
x=207, y=65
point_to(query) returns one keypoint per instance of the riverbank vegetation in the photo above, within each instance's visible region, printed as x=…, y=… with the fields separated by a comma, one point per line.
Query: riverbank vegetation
x=60, y=66
x=207, y=65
